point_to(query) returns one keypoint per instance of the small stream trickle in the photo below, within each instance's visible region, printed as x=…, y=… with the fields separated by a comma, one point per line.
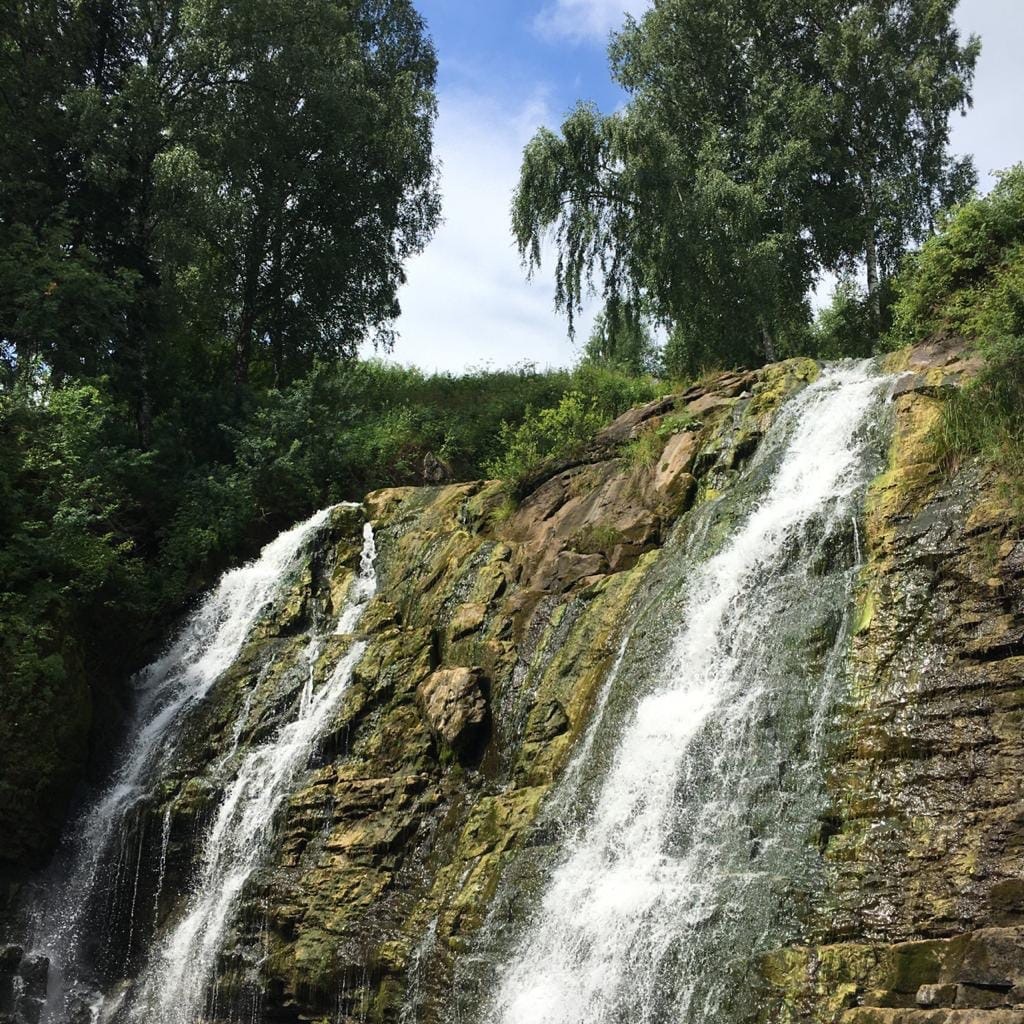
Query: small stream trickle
x=173, y=986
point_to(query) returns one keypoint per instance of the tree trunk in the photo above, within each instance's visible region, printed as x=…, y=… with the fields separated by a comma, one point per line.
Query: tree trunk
x=250, y=293
x=243, y=345
x=144, y=319
x=769, y=345
x=871, y=259
x=277, y=295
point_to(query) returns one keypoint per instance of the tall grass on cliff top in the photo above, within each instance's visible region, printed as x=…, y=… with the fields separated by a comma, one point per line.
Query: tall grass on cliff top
x=969, y=280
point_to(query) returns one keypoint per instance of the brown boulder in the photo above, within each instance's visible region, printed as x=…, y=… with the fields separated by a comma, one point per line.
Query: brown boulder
x=673, y=477
x=454, y=702
x=468, y=618
x=629, y=425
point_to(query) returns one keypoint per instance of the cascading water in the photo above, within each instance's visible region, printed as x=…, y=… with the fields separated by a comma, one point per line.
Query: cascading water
x=690, y=802
x=167, y=690
x=679, y=870
x=173, y=988
x=103, y=858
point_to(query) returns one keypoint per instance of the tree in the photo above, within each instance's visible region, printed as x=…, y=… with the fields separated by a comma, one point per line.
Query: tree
x=893, y=71
x=734, y=176
x=60, y=301
x=305, y=161
x=621, y=338
x=195, y=187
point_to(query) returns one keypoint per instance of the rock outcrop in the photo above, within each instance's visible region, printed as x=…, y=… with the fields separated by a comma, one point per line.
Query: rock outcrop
x=921, y=921
x=485, y=648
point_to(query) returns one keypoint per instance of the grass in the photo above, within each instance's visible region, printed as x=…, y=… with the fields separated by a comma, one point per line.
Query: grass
x=644, y=451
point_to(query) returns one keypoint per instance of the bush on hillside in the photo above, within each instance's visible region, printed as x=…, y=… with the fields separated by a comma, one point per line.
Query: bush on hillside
x=969, y=280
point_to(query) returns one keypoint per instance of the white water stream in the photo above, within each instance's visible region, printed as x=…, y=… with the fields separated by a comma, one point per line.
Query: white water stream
x=167, y=690
x=616, y=936
x=173, y=987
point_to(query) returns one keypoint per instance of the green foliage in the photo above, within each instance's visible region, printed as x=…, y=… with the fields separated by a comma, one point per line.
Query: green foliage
x=621, y=339
x=675, y=423
x=762, y=144
x=596, y=538
x=72, y=581
x=300, y=187
x=969, y=280
x=218, y=192
x=846, y=326
x=986, y=417
x=645, y=450
x=561, y=431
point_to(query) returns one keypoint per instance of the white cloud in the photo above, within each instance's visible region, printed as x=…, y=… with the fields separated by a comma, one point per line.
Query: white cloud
x=467, y=301
x=580, y=20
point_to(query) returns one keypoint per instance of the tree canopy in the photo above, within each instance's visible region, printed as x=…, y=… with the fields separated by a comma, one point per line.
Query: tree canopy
x=764, y=141
x=199, y=204
x=233, y=186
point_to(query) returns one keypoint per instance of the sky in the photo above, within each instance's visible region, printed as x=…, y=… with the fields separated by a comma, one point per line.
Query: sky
x=506, y=67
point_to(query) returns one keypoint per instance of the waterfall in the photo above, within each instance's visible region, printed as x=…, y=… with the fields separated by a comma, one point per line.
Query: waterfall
x=674, y=876
x=96, y=853
x=173, y=986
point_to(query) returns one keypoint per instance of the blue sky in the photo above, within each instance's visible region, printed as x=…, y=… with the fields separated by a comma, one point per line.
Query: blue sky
x=508, y=66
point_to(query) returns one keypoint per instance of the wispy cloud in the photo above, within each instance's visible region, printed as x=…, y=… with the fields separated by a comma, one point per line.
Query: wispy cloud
x=467, y=301
x=585, y=20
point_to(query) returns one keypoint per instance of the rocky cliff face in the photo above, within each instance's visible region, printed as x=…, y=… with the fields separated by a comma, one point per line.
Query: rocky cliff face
x=416, y=830
x=922, y=919
x=490, y=636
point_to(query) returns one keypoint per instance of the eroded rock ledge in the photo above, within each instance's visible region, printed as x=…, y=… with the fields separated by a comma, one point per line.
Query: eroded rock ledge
x=487, y=643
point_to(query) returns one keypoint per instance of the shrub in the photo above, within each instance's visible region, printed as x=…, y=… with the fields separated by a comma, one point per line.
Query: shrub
x=561, y=431
x=644, y=450
x=986, y=417
x=969, y=280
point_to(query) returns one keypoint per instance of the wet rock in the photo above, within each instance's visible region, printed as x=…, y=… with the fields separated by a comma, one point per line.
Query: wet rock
x=549, y=721
x=454, y=702
x=435, y=470
x=936, y=995
x=982, y=997
x=468, y=618
x=928, y=828
x=1006, y=901
x=870, y=1015
x=989, y=957
x=34, y=971
x=379, y=616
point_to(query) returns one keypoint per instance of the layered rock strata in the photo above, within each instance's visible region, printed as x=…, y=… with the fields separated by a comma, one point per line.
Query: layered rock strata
x=923, y=918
